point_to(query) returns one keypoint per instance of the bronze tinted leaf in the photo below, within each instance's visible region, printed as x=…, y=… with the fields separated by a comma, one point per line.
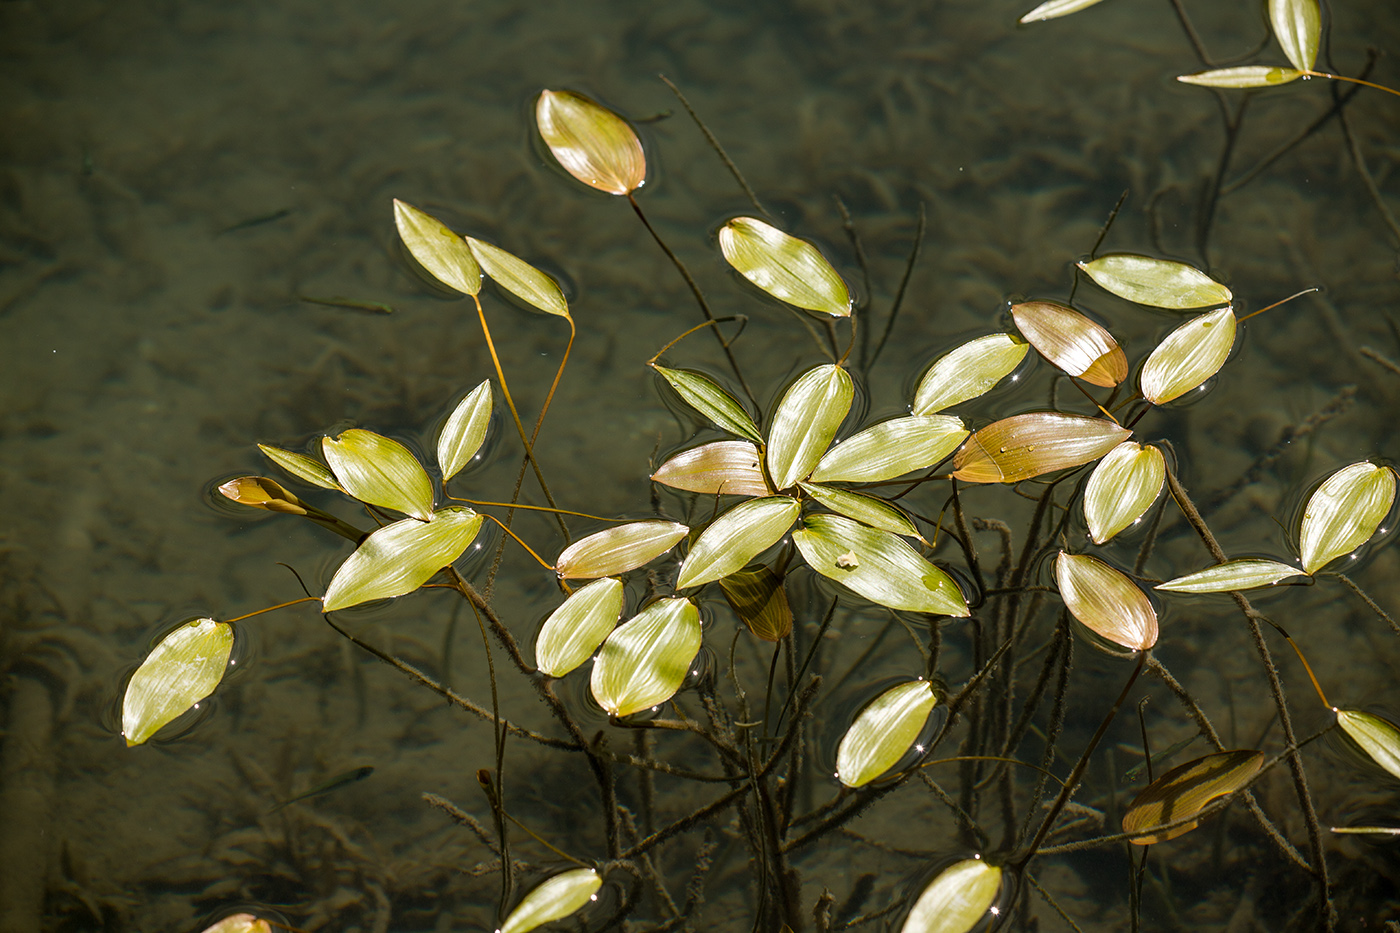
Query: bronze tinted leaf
x=592, y=143
x=1106, y=601
x=1184, y=791
x=1072, y=342
x=1039, y=442
x=722, y=467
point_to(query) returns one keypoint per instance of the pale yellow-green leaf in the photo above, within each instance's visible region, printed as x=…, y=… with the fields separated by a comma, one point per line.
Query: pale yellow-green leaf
x=240, y=923
x=646, y=659
x=1185, y=790
x=618, y=549
x=1243, y=574
x=575, y=630
x=1378, y=737
x=877, y=513
x=1025, y=446
x=877, y=565
x=805, y=422
x=737, y=537
x=1123, y=485
x=380, y=471
x=883, y=732
x=400, y=557
x=1298, y=28
x=519, y=278
x=181, y=670
x=1072, y=342
x=438, y=250
x=968, y=371
x=758, y=598
x=1242, y=76
x=302, y=467
x=1189, y=355
x=553, y=899
x=785, y=267
x=464, y=431
x=957, y=900
x=891, y=448
x=1344, y=512
x=706, y=397
x=1160, y=283
x=1053, y=9
x=1106, y=601
x=592, y=143
x=728, y=467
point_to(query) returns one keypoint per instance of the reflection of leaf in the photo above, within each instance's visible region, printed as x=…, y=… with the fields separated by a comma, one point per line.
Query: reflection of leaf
x=957, y=900
x=758, y=598
x=400, y=557
x=785, y=267
x=1185, y=790
x=179, y=672
x=1298, y=28
x=883, y=731
x=1244, y=76
x=553, y=899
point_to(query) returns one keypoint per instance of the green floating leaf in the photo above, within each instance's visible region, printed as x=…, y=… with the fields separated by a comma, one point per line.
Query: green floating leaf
x=728, y=467
x=1160, y=283
x=877, y=565
x=891, y=448
x=464, y=431
x=380, y=471
x=1189, y=355
x=883, y=732
x=553, y=899
x=442, y=253
x=1185, y=790
x=712, y=402
x=737, y=537
x=968, y=371
x=592, y=143
x=645, y=660
x=877, y=513
x=1025, y=446
x=259, y=492
x=1122, y=487
x=1106, y=601
x=1072, y=342
x=1344, y=512
x=759, y=600
x=181, y=670
x=957, y=900
x=1243, y=574
x=575, y=630
x=520, y=278
x=302, y=467
x=1378, y=737
x=240, y=923
x=806, y=420
x=618, y=549
x=1053, y=9
x=1298, y=28
x=1243, y=76
x=400, y=557
x=785, y=267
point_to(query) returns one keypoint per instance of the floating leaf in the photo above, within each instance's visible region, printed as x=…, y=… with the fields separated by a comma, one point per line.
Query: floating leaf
x=1072, y=342
x=1122, y=487
x=575, y=630
x=728, y=467
x=592, y=143
x=464, y=431
x=240, y=923
x=553, y=899
x=380, y=471
x=1344, y=512
x=1038, y=442
x=259, y=492
x=1298, y=28
x=891, y=448
x=877, y=513
x=957, y=900
x=520, y=278
x=618, y=549
x=1160, y=283
x=645, y=660
x=968, y=371
x=442, y=253
x=883, y=732
x=737, y=537
x=1185, y=790
x=1243, y=76
x=1106, y=601
x=1243, y=574
x=877, y=565
x=1053, y=9
x=785, y=267
x=302, y=467
x=1378, y=737
x=758, y=598
x=400, y=557
x=706, y=397
x=1189, y=355
x=805, y=422
x=183, y=669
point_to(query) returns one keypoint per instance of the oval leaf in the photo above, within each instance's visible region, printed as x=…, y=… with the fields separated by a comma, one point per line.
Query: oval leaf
x=957, y=900
x=877, y=565
x=240, y=923
x=1378, y=737
x=442, y=253
x=759, y=600
x=645, y=660
x=380, y=471
x=592, y=143
x=785, y=267
x=1243, y=574
x=302, y=467
x=520, y=278
x=1038, y=442
x=968, y=371
x=259, y=492
x=1106, y=601
x=181, y=670
x=805, y=422
x=1053, y=9
x=712, y=402
x=891, y=448
x=883, y=732
x=1242, y=76
x=1122, y=487
x=464, y=431
x=1160, y=283
x=1185, y=790
x=877, y=513
x=619, y=549
x=1072, y=342
x=728, y=467
x=1298, y=28
x=553, y=899
x=1188, y=356
x=400, y=557
x=575, y=630
x=737, y=537
x=1344, y=512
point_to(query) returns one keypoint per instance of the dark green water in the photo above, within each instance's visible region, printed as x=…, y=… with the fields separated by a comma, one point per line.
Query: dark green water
x=174, y=176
